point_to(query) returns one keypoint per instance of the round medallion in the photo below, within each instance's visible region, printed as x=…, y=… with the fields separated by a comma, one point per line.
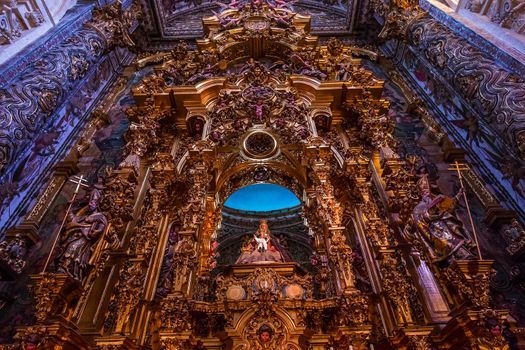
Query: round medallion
x=293, y=291
x=256, y=23
x=260, y=145
x=235, y=293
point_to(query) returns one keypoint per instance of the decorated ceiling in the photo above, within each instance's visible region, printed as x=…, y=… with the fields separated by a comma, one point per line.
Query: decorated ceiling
x=168, y=19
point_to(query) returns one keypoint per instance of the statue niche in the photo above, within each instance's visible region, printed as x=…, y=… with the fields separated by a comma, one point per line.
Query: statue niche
x=262, y=248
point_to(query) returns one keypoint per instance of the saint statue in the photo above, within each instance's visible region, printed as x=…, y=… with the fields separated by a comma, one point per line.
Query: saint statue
x=81, y=233
x=262, y=247
x=440, y=230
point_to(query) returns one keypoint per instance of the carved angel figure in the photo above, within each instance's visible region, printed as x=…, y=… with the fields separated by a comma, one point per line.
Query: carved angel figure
x=81, y=233
x=267, y=338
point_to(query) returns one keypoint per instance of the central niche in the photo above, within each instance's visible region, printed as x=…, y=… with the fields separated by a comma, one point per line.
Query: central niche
x=263, y=224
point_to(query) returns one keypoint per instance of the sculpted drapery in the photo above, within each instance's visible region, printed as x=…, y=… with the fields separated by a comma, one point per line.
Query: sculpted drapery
x=80, y=235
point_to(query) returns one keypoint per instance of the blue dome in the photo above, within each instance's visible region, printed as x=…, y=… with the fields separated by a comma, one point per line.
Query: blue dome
x=262, y=197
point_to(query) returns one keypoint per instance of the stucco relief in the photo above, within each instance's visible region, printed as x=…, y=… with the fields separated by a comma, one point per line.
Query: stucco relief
x=508, y=14
x=28, y=103
x=496, y=94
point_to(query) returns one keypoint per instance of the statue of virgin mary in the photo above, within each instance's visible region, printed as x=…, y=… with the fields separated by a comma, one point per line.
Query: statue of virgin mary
x=262, y=248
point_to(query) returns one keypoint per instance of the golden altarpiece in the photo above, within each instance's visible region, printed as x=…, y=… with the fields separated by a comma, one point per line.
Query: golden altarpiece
x=258, y=96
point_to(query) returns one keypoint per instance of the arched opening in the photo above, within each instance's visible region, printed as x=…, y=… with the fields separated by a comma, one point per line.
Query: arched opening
x=263, y=197
x=255, y=208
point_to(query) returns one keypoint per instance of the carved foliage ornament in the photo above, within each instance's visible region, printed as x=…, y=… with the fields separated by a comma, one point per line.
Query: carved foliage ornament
x=127, y=295
x=175, y=315
x=13, y=252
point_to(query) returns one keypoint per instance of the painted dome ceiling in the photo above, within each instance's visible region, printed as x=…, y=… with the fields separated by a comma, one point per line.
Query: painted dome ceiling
x=170, y=19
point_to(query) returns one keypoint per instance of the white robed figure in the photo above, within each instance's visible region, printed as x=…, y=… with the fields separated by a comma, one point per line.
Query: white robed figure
x=262, y=243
